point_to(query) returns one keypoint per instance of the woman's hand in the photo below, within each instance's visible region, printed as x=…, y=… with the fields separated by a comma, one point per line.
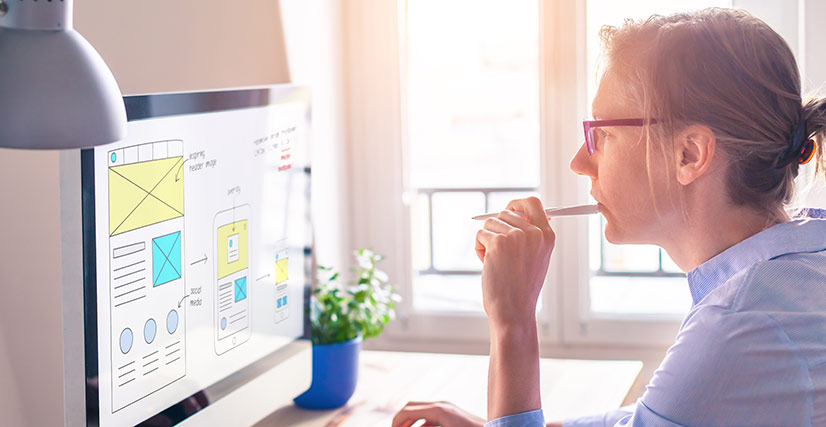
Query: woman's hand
x=515, y=248
x=443, y=414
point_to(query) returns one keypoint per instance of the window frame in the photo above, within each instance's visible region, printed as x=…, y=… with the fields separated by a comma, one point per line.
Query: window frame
x=375, y=112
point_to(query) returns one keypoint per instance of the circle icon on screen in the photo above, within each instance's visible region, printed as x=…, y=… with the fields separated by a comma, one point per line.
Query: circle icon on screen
x=172, y=321
x=114, y=157
x=223, y=323
x=126, y=340
x=150, y=329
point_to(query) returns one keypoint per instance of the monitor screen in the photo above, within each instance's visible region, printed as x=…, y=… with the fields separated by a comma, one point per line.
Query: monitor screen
x=196, y=244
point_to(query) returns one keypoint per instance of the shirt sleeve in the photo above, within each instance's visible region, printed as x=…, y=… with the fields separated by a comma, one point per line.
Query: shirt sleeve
x=606, y=419
x=524, y=419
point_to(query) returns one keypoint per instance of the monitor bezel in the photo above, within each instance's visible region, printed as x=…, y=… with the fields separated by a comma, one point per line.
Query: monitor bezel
x=150, y=106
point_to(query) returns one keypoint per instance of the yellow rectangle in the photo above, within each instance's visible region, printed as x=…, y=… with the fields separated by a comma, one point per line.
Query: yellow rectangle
x=239, y=262
x=282, y=270
x=145, y=193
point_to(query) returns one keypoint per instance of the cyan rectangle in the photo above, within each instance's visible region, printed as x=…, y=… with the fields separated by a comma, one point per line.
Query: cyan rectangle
x=166, y=258
x=240, y=289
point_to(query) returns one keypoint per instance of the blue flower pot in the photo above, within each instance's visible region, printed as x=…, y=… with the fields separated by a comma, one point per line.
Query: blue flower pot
x=335, y=371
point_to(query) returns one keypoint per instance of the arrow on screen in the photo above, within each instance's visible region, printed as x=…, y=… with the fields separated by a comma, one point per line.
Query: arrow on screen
x=181, y=168
x=200, y=260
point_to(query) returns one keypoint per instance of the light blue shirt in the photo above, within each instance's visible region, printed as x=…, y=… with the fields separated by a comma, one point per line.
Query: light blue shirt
x=752, y=350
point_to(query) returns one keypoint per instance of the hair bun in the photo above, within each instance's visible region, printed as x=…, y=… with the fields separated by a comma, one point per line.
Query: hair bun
x=797, y=146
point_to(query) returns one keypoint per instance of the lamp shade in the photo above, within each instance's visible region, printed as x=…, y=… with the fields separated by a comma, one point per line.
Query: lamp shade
x=55, y=90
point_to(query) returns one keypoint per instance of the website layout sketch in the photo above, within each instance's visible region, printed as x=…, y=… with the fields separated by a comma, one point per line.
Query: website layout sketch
x=232, y=284
x=282, y=275
x=146, y=247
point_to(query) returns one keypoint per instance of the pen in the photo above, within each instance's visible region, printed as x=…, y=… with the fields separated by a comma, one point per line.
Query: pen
x=550, y=212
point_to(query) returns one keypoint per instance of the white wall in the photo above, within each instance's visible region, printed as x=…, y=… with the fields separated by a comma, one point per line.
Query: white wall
x=162, y=46
x=30, y=310
x=9, y=401
x=313, y=36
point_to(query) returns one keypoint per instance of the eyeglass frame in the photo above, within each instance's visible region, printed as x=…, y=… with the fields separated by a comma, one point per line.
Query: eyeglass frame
x=589, y=125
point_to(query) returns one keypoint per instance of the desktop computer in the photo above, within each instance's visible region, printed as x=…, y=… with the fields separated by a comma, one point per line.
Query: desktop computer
x=196, y=243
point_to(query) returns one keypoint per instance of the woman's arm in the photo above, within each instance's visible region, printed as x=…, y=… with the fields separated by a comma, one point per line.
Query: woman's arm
x=513, y=375
x=515, y=248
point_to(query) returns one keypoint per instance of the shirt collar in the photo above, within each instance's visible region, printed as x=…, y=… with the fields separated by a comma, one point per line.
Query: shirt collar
x=805, y=233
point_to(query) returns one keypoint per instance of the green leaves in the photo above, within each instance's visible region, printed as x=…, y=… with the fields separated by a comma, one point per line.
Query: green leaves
x=342, y=312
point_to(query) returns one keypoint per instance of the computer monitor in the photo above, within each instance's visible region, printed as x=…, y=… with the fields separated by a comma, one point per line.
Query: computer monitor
x=196, y=249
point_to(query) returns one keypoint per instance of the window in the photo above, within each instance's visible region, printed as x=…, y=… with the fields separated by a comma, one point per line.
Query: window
x=473, y=134
x=489, y=98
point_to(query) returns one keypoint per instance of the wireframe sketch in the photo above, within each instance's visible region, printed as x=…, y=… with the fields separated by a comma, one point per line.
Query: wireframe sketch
x=146, y=242
x=232, y=284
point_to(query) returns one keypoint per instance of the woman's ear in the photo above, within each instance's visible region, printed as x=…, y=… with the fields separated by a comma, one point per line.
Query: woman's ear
x=694, y=151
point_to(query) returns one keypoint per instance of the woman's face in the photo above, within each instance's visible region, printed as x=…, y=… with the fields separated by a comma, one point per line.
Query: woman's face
x=619, y=181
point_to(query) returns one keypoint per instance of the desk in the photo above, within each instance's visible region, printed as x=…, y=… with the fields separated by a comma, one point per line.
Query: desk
x=388, y=380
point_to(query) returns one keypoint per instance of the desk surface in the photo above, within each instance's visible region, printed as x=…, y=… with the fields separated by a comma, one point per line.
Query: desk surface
x=388, y=380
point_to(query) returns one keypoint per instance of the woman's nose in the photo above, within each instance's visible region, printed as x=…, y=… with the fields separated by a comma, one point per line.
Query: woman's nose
x=583, y=163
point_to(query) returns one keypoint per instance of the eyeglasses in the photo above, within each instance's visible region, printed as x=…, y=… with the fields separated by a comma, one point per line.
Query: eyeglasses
x=590, y=125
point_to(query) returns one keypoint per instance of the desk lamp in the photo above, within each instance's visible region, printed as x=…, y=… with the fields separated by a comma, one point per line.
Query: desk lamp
x=55, y=90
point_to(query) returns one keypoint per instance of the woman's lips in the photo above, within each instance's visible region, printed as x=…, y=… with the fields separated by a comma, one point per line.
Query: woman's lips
x=596, y=199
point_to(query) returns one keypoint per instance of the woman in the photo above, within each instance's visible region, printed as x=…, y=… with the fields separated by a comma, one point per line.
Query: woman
x=703, y=167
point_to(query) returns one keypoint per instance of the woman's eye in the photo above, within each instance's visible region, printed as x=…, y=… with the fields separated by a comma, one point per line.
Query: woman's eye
x=600, y=135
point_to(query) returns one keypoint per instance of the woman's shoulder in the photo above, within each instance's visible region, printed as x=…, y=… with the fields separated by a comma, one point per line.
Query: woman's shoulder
x=781, y=300
x=725, y=364
x=793, y=282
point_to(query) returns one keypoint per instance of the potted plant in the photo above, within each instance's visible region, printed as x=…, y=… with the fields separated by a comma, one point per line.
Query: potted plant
x=341, y=316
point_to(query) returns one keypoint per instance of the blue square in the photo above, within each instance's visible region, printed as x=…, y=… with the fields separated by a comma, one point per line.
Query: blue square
x=240, y=289
x=166, y=258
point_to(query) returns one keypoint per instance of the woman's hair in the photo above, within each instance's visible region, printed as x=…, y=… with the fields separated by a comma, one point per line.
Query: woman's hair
x=727, y=70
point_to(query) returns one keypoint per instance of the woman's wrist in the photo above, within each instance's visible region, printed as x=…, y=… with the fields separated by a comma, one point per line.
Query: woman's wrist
x=512, y=328
x=519, y=337
x=513, y=381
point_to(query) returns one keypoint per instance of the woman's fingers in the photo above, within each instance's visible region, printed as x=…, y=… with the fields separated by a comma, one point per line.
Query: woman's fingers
x=413, y=412
x=441, y=413
x=533, y=210
x=534, y=213
x=499, y=225
x=515, y=248
x=506, y=222
x=518, y=221
x=514, y=219
x=484, y=237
